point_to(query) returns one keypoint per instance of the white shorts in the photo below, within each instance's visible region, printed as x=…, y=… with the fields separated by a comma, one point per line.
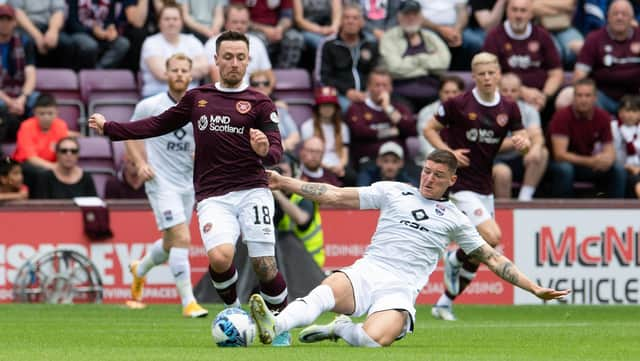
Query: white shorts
x=478, y=207
x=376, y=289
x=171, y=208
x=249, y=212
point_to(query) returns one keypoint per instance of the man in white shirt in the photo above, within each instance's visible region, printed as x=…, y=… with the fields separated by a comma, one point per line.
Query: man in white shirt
x=413, y=230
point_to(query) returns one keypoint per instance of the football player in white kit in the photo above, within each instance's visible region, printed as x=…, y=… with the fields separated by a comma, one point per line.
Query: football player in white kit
x=166, y=163
x=413, y=230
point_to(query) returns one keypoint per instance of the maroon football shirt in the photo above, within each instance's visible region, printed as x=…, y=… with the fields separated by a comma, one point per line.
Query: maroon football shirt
x=224, y=160
x=614, y=65
x=531, y=57
x=481, y=128
x=583, y=133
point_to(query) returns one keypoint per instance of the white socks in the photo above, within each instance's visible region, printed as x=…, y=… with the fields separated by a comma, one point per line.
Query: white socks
x=453, y=259
x=526, y=193
x=354, y=334
x=181, y=270
x=303, y=311
x=444, y=301
x=156, y=255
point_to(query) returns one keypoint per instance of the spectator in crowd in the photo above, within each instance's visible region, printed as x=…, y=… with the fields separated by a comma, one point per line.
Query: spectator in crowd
x=261, y=81
x=389, y=166
x=311, y=167
x=203, y=19
x=610, y=56
x=556, y=16
x=299, y=216
x=92, y=27
x=626, y=136
x=37, y=139
x=582, y=146
x=512, y=165
x=414, y=57
x=591, y=15
x=317, y=20
x=237, y=19
x=448, y=18
x=377, y=119
x=157, y=48
x=345, y=60
x=327, y=124
x=272, y=22
x=66, y=180
x=11, y=186
x=43, y=21
x=379, y=16
x=127, y=184
x=484, y=15
x=136, y=22
x=17, y=74
x=527, y=50
x=450, y=86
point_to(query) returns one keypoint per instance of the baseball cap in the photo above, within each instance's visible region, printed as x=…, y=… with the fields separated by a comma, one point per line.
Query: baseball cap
x=391, y=148
x=326, y=95
x=409, y=6
x=7, y=10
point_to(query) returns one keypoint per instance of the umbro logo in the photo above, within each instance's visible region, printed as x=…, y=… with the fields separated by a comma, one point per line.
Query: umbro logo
x=202, y=103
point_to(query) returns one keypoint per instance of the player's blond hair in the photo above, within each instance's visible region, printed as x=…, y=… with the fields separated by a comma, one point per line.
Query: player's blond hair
x=484, y=58
x=178, y=56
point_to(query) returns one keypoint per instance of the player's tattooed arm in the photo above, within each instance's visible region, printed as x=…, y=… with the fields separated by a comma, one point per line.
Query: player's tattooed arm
x=501, y=266
x=313, y=189
x=265, y=267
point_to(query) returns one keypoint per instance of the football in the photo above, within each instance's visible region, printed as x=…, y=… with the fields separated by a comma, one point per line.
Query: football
x=233, y=327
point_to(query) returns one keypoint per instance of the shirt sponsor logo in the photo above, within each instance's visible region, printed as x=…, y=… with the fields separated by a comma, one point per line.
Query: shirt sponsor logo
x=202, y=103
x=482, y=136
x=523, y=62
x=218, y=123
x=243, y=107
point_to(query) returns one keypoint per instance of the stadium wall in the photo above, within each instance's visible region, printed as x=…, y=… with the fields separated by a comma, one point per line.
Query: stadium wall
x=592, y=247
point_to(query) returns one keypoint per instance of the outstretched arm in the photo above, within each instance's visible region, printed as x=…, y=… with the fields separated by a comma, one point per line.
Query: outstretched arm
x=504, y=268
x=323, y=193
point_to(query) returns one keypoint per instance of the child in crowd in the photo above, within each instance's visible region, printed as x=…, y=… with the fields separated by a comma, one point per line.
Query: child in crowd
x=626, y=134
x=11, y=187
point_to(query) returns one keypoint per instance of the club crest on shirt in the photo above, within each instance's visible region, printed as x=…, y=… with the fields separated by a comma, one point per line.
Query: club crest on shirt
x=635, y=47
x=274, y=117
x=478, y=212
x=207, y=227
x=533, y=46
x=243, y=107
x=440, y=209
x=202, y=103
x=473, y=116
x=502, y=119
x=365, y=54
x=608, y=48
x=368, y=116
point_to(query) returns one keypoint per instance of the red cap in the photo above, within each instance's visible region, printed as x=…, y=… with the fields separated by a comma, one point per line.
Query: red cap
x=326, y=95
x=7, y=10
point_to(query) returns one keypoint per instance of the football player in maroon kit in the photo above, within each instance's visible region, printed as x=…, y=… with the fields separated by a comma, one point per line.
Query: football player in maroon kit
x=477, y=122
x=236, y=134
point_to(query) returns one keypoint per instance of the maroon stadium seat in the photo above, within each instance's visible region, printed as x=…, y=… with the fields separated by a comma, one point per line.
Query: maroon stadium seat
x=118, y=150
x=100, y=178
x=96, y=154
x=300, y=110
x=64, y=86
x=113, y=93
x=466, y=76
x=293, y=84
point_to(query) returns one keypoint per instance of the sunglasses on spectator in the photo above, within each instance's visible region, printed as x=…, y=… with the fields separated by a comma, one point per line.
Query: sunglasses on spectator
x=260, y=83
x=68, y=150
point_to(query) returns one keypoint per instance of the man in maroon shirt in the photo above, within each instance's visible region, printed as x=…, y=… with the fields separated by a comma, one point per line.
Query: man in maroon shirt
x=577, y=131
x=378, y=119
x=527, y=50
x=272, y=22
x=311, y=168
x=477, y=122
x=236, y=132
x=612, y=56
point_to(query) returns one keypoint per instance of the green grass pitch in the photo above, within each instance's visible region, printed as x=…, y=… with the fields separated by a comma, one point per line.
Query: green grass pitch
x=112, y=332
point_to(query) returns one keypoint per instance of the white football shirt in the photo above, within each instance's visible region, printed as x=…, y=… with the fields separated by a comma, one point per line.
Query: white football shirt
x=413, y=231
x=169, y=155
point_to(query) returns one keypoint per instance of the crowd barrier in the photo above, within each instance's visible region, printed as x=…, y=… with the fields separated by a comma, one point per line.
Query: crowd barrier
x=590, y=246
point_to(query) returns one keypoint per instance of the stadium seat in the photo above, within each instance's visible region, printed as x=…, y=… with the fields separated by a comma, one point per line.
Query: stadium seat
x=118, y=150
x=64, y=86
x=293, y=84
x=113, y=93
x=100, y=178
x=96, y=154
x=466, y=76
x=8, y=148
x=300, y=110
